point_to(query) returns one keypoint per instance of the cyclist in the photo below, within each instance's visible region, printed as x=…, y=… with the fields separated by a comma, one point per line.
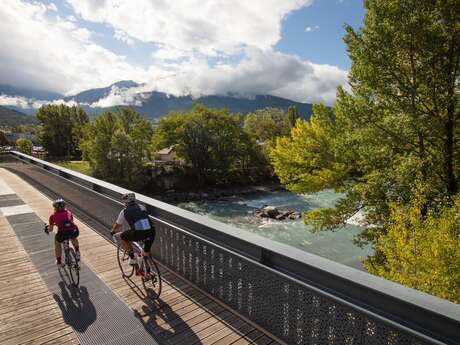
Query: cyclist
x=140, y=226
x=62, y=218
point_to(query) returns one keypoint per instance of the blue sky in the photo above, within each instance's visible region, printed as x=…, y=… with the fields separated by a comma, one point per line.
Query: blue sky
x=324, y=43
x=289, y=48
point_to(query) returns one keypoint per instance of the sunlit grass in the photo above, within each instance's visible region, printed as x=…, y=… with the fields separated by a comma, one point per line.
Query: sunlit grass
x=79, y=166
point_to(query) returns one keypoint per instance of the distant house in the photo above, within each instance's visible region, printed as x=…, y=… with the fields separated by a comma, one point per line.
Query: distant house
x=167, y=154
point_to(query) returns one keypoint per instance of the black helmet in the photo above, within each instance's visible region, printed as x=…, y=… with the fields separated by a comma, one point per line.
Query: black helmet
x=128, y=198
x=59, y=203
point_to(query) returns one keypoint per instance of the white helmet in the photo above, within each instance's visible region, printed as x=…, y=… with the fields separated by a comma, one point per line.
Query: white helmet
x=128, y=198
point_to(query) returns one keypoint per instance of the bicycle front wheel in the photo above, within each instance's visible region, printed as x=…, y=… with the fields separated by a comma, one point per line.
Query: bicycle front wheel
x=123, y=262
x=74, y=268
x=152, y=281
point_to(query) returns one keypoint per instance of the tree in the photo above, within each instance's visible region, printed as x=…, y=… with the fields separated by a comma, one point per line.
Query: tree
x=213, y=144
x=422, y=253
x=24, y=145
x=167, y=131
x=116, y=145
x=267, y=124
x=397, y=128
x=293, y=115
x=61, y=130
x=208, y=140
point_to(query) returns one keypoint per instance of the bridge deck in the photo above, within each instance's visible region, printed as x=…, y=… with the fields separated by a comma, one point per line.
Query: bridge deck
x=30, y=315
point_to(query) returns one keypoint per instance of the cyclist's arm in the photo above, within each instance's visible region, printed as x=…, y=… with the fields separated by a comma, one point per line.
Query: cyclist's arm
x=116, y=227
x=51, y=224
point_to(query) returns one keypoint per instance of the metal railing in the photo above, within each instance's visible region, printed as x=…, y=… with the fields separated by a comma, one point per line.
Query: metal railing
x=299, y=297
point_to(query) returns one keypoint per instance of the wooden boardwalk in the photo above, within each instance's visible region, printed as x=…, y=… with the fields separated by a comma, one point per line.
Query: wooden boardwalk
x=183, y=315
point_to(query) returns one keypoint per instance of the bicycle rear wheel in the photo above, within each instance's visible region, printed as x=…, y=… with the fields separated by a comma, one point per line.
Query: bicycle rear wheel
x=74, y=268
x=152, y=283
x=123, y=262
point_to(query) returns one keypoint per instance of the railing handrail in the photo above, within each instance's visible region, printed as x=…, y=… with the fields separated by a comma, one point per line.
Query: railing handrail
x=424, y=314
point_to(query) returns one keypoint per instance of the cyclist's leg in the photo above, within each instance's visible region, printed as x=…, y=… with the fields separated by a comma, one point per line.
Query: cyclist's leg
x=58, y=238
x=126, y=238
x=74, y=239
x=148, y=241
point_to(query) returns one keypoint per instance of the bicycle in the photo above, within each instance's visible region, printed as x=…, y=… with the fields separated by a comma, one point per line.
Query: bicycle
x=146, y=267
x=70, y=261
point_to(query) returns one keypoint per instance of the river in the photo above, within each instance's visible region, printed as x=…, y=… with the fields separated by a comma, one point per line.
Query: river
x=238, y=211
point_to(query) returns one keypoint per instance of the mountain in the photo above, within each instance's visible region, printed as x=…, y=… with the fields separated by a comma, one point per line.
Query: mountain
x=13, y=118
x=158, y=104
x=94, y=95
x=29, y=93
x=153, y=104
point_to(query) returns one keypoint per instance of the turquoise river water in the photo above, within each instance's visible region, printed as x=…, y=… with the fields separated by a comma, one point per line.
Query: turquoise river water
x=238, y=211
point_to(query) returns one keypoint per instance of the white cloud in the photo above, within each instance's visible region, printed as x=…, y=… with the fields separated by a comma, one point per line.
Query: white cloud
x=261, y=72
x=121, y=96
x=243, y=59
x=123, y=36
x=54, y=54
x=52, y=7
x=311, y=28
x=20, y=102
x=30, y=103
x=209, y=27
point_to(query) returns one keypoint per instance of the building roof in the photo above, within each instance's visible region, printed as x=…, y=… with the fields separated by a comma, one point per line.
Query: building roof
x=166, y=151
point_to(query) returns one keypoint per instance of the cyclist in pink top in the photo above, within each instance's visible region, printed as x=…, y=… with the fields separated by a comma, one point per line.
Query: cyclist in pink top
x=62, y=218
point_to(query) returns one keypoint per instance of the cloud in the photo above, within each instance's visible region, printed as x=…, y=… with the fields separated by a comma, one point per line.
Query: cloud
x=121, y=96
x=311, y=28
x=20, y=102
x=52, y=7
x=43, y=51
x=204, y=53
x=122, y=36
x=210, y=27
x=31, y=103
x=261, y=72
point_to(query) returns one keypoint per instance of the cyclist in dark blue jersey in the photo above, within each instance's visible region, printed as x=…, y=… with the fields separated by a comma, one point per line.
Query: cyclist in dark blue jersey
x=135, y=218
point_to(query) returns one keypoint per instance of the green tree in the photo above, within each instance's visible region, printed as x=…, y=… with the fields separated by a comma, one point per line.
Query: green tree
x=267, y=124
x=167, y=131
x=208, y=140
x=422, y=253
x=24, y=145
x=117, y=146
x=396, y=129
x=61, y=129
x=213, y=144
x=293, y=115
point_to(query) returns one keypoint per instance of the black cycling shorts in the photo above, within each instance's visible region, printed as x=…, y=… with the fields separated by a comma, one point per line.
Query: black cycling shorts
x=148, y=236
x=61, y=236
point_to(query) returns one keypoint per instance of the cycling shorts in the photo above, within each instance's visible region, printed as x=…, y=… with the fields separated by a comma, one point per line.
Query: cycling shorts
x=61, y=236
x=148, y=236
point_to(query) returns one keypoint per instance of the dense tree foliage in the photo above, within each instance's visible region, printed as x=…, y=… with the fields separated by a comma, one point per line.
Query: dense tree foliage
x=423, y=253
x=293, y=115
x=167, y=131
x=398, y=128
x=268, y=124
x=213, y=144
x=61, y=130
x=24, y=145
x=116, y=145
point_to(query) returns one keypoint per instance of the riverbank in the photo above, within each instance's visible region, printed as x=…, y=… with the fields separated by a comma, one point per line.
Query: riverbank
x=216, y=194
